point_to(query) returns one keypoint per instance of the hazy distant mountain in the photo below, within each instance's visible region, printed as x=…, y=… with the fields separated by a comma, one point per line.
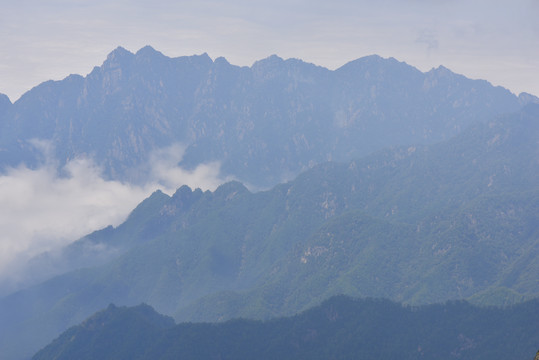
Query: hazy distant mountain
x=265, y=123
x=341, y=328
x=416, y=224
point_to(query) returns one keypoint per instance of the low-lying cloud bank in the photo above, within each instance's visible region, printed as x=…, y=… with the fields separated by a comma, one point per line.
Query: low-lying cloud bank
x=45, y=208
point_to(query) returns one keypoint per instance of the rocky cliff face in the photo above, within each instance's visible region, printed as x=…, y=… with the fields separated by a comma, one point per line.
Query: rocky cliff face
x=264, y=123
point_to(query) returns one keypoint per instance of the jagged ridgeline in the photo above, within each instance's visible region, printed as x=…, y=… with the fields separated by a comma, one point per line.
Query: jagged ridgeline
x=416, y=221
x=341, y=328
x=415, y=224
x=263, y=123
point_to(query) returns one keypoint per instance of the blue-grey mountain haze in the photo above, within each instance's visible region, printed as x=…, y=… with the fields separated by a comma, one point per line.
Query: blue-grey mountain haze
x=46, y=207
x=286, y=112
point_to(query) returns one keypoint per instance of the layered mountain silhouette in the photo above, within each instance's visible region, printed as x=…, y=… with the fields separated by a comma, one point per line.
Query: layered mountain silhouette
x=340, y=328
x=415, y=224
x=416, y=187
x=264, y=123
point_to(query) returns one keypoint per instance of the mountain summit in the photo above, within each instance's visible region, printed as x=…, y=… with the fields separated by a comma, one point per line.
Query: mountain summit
x=430, y=193
x=264, y=123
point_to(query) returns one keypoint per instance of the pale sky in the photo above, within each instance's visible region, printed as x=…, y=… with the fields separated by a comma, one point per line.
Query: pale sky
x=488, y=39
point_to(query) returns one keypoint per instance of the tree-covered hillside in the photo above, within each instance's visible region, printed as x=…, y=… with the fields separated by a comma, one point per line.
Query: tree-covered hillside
x=340, y=328
x=415, y=224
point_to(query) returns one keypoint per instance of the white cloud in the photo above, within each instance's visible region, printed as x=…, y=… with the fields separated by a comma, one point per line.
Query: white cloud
x=45, y=208
x=165, y=172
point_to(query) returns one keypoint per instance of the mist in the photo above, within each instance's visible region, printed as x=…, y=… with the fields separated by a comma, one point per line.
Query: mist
x=49, y=207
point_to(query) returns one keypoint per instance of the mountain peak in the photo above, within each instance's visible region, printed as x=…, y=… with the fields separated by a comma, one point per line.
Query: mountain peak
x=144, y=313
x=148, y=51
x=271, y=60
x=117, y=58
x=119, y=53
x=441, y=71
x=369, y=65
x=204, y=56
x=230, y=190
x=372, y=60
x=526, y=98
x=369, y=59
x=221, y=61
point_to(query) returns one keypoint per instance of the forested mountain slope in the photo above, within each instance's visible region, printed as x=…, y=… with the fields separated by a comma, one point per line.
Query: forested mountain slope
x=341, y=328
x=415, y=224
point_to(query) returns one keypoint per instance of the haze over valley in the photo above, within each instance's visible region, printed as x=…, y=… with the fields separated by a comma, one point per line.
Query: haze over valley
x=211, y=191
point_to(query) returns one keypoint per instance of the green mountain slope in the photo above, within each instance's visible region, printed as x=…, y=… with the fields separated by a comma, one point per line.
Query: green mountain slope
x=114, y=333
x=416, y=224
x=340, y=328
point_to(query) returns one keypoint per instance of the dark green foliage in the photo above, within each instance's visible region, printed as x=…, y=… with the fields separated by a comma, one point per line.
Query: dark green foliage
x=114, y=333
x=340, y=328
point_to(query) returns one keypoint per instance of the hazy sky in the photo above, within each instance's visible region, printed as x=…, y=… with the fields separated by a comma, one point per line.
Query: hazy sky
x=489, y=39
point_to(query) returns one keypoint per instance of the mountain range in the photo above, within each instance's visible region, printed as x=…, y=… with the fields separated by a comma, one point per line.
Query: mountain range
x=340, y=328
x=415, y=224
x=432, y=194
x=264, y=124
